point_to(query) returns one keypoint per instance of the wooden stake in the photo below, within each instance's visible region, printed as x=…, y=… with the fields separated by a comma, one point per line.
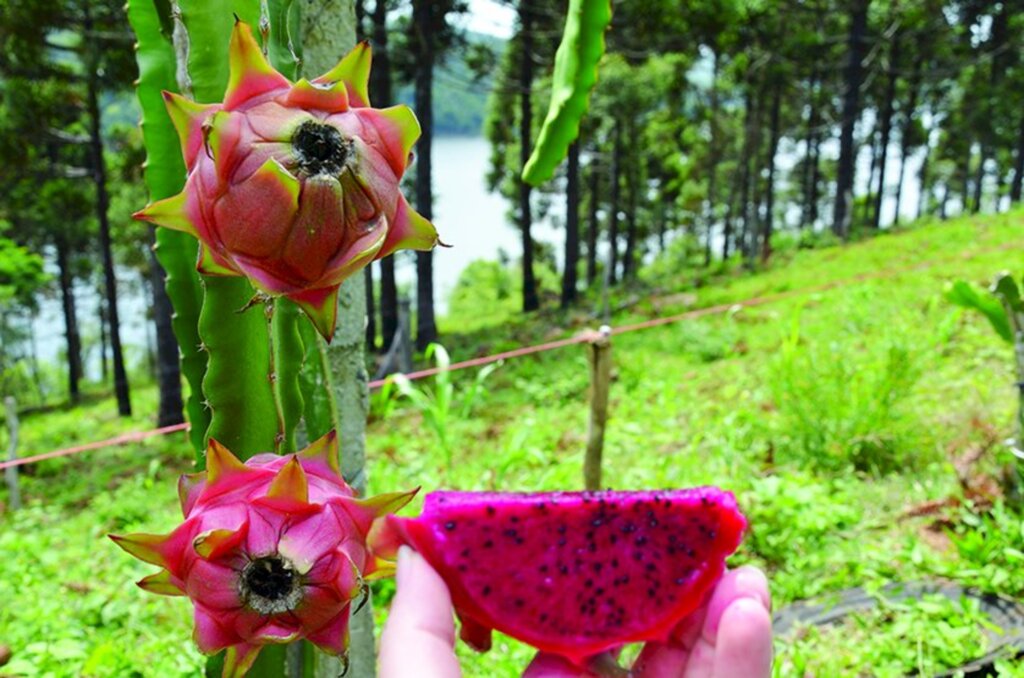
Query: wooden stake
x=11, y=472
x=599, y=353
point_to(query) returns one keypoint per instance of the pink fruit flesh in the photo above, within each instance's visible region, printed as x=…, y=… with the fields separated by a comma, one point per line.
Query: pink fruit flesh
x=575, y=574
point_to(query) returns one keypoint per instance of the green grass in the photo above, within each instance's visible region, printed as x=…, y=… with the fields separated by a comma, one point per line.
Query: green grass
x=828, y=413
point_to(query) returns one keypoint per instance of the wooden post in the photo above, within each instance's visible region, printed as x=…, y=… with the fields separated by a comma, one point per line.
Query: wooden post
x=599, y=353
x=11, y=472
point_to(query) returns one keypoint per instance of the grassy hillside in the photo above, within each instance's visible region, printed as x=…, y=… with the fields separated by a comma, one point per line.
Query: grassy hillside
x=835, y=415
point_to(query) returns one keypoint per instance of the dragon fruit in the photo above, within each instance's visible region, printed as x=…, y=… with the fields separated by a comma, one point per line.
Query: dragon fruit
x=270, y=551
x=573, y=574
x=295, y=186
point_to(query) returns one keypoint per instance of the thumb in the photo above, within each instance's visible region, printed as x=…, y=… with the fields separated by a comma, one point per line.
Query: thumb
x=419, y=636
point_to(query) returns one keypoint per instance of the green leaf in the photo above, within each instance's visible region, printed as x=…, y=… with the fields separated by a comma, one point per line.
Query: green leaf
x=1009, y=294
x=963, y=294
x=164, y=176
x=574, y=77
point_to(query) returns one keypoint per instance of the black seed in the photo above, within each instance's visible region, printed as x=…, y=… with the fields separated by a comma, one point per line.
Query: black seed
x=680, y=581
x=588, y=583
x=543, y=568
x=519, y=602
x=490, y=511
x=465, y=553
x=613, y=539
x=564, y=569
x=597, y=566
x=486, y=590
x=514, y=519
x=640, y=541
x=450, y=525
x=561, y=529
x=561, y=541
x=597, y=522
x=511, y=532
x=488, y=544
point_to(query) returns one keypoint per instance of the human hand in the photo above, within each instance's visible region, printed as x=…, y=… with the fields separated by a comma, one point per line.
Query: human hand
x=729, y=637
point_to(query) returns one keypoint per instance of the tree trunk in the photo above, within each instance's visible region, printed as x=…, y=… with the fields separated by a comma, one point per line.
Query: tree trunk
x=730, y=208
x=572, y=226
x=922, y=194
x=531, y=302
x=709, y=216
x=593, y=226
x=101, y=315
x=381, y=96
x=810, y=169
x=887, y=113
x=99, y=176
x=659, y=224
x=1018, y=167
x=865, y=214
x=426, y=326
x=748, y=151
x=323, y=42
x=908, y=123
x=170, y=410
x=371, y=310
x=979, y=181
x=72, y=337
x=629, y=263
x=773, y=149
x=613, y=210
x=853, y=77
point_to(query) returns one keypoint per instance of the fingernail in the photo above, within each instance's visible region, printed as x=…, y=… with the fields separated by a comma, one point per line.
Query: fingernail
x=754, y=585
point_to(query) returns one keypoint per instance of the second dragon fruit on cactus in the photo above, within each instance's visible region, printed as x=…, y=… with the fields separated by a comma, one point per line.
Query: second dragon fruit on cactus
x=271, y=551
x=295, y=186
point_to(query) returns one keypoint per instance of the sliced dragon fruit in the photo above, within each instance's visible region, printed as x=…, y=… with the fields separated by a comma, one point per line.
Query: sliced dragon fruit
x=573, y=573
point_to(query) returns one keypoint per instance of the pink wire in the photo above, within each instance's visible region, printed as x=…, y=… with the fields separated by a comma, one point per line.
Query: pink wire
x=137, y=436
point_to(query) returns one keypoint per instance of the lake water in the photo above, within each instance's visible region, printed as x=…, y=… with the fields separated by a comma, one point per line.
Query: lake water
x=469, y=218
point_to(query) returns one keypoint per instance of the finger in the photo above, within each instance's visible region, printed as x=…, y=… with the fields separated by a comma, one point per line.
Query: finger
x=692, y=650
x=744, y=646
x=745, y=582
x=552, y=666
x=419, y=637
x=604, y=665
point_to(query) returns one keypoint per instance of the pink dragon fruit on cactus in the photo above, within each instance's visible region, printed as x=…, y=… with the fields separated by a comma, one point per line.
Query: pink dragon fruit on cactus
x=271, y=551
x=295, y=186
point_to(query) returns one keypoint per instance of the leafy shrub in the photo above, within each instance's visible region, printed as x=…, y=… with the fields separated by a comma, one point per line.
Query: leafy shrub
x=843, y=405
x=897, y=638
